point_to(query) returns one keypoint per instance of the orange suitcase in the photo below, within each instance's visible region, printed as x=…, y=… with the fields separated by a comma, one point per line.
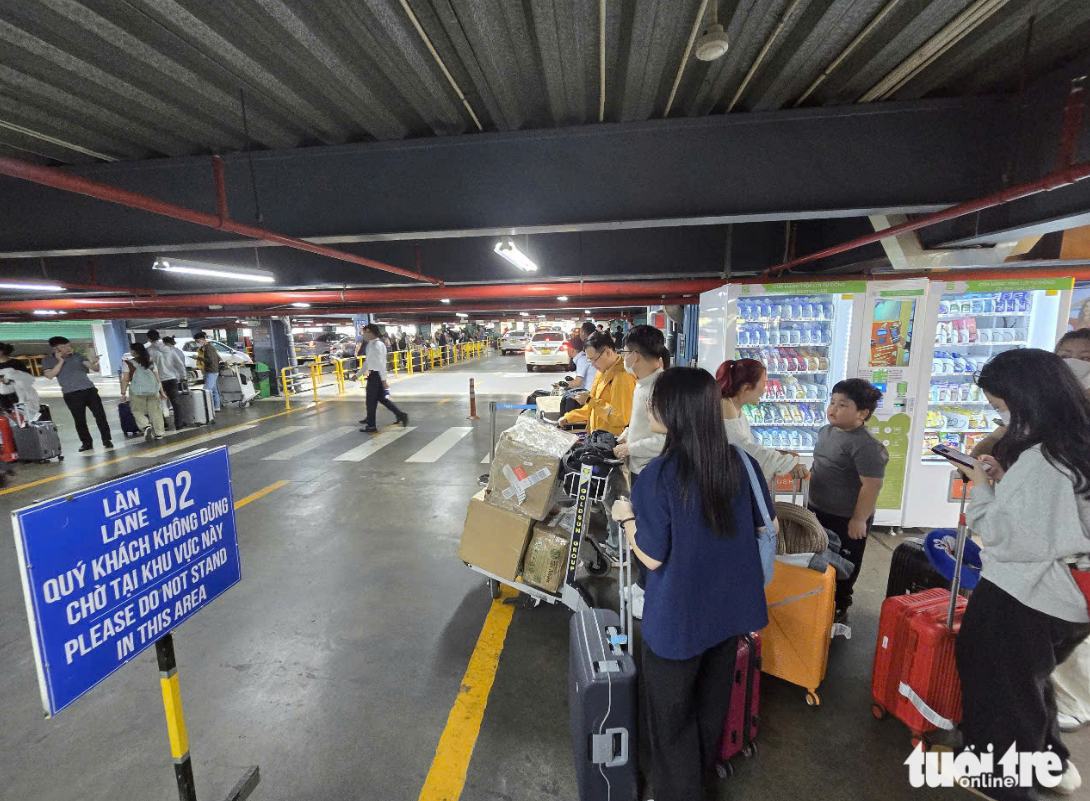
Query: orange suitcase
x=795, y=644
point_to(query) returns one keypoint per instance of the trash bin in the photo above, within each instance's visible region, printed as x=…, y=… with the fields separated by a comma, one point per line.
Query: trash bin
x=262, y=376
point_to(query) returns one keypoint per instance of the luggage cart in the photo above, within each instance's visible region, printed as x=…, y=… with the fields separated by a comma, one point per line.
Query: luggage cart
x=587, y=486
x=235, y=386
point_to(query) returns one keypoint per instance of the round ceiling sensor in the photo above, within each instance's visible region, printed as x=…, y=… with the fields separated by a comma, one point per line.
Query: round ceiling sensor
x=712, y=44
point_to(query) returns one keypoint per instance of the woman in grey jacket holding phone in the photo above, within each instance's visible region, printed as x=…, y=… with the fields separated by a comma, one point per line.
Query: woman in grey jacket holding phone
x=1027, y=615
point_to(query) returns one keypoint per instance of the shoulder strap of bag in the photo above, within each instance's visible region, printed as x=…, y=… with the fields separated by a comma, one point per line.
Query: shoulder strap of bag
x=755, y=487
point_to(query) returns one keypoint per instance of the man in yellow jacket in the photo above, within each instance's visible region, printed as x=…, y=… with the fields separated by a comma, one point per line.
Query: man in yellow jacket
x=608, y=405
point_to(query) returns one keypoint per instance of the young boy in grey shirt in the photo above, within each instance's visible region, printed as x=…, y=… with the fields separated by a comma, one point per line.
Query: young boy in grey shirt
x=849, y=466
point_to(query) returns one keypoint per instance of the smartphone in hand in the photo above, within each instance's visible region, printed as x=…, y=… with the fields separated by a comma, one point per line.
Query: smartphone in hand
x=956, y=456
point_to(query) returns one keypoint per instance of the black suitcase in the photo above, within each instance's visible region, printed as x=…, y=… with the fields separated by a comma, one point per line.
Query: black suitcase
x=910, y=571
x=602, y=704
x=37, y=442
x=128, y=422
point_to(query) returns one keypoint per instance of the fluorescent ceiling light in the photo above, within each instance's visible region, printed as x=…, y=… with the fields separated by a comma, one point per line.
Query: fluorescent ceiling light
x=562, y=298
x=586, y=312
x=461, y=314
x=300, y=305
x=28, y=286
x=507, y=249
x=445, y=300
x=525, y=314
x=47, y=311
x=213, y=270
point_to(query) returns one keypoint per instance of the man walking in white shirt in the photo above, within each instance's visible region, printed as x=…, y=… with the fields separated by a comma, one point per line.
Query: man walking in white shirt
x=374, y=368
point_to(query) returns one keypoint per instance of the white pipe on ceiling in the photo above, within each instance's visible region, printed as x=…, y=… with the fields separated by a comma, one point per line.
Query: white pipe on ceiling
x=685, y=57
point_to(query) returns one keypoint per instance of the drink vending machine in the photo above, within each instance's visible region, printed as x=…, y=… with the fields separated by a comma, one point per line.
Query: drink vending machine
x=803, y=333
x=972, y=321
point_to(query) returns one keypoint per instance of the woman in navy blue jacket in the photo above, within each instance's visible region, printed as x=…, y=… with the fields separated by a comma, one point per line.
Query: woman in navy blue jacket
x=693, y=522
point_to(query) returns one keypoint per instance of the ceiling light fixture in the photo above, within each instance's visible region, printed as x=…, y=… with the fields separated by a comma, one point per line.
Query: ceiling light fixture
x=506, y=248
x=213, y=270
x=445, y=300
x=525, y=314
x=586, y=311
x=562, y=298
x=300, y=305
x=47, y=312
x=29, y=286
x=461, y=314
x=713, y=43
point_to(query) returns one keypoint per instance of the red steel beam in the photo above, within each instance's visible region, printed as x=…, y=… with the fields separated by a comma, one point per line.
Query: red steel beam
x=485, y=309
x=549, y=292
x=49, y=176
x=1065, y=177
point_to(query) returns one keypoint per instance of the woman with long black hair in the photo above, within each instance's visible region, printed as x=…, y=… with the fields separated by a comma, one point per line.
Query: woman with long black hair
x=1027, y=614
x=693, y=523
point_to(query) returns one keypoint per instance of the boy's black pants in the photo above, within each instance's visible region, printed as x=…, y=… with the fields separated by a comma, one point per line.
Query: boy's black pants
x=850, y=549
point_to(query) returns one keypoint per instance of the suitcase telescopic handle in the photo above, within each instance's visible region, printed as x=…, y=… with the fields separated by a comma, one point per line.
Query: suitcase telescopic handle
x=959, y=555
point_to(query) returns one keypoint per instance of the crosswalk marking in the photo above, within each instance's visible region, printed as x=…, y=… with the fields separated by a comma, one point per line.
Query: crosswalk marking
x=440, y=445
x=238, y=447
x=193, y=442
x=310, y=444
x=487, y=458
x=376, y=443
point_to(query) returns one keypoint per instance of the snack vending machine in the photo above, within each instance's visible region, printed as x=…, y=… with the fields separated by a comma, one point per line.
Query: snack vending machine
x=803, y=334
x=972, y=321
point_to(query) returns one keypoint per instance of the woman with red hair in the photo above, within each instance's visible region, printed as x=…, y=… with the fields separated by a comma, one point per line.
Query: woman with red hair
x=742, y=382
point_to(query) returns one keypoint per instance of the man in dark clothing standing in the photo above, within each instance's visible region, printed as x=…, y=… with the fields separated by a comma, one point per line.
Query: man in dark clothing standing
x=80, y=394
x=375, y=369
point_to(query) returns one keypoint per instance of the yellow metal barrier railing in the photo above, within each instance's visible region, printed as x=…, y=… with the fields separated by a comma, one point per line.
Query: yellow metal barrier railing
x=290, y=376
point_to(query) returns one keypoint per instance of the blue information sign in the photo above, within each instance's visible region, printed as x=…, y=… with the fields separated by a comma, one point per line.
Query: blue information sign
x=109, y=570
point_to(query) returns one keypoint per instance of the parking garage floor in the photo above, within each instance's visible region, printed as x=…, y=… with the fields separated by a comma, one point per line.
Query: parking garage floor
x=335, y=663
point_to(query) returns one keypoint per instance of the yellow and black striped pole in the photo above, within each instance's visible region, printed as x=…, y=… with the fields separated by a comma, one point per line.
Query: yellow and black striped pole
x=172, y=704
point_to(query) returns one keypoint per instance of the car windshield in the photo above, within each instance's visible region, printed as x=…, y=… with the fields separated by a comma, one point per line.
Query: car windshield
x=219, y=346
x=549, y=336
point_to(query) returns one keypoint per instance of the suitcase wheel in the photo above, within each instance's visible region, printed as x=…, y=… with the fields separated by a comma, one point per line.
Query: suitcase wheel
x=60, y=458
x=878, y=712
x=724, y=770
x=749, y=750
x=493, y=588
x=813, y=699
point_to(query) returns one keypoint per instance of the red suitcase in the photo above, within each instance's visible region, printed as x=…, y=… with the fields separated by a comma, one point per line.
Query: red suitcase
x=915, y=673
x=740, y=727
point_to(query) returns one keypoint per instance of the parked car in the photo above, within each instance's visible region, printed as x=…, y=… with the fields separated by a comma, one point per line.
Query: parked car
x=228, y=355
x=514, y=342
x=308, y=347
x=548, y=349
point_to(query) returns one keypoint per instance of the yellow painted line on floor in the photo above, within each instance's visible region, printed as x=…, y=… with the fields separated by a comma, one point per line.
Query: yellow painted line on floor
x=261, y=493
x=446, y=400
x=448, y=769
x=96, y=465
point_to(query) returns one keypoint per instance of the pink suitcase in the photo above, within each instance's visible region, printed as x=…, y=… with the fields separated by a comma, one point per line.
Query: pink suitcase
x=740, y=727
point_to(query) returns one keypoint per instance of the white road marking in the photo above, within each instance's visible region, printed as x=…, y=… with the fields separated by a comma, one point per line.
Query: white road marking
x=261, y=440
x=193, y=442
x=376, y=443
x=440, y=445
x=310, y=444
x=487, y=458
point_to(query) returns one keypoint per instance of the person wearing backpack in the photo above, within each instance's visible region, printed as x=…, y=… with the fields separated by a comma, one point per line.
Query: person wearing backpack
x=1027, y=615
x=142, y=385
x=693, y=521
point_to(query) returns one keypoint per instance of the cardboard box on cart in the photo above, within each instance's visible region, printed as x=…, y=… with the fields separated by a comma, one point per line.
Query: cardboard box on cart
x=494, y=538
x=524, y=474
x=547, y=554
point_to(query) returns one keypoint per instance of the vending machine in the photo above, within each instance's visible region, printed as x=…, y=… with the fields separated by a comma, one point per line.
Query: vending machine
x=804, y=334
x=972, y=321
x=890, y=358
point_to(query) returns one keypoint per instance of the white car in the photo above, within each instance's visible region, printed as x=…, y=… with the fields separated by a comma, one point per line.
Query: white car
x=548, y=349
x=228, y=355
x=514, y=342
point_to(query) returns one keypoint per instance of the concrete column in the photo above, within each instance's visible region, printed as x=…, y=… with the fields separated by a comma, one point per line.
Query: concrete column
x=111, y=344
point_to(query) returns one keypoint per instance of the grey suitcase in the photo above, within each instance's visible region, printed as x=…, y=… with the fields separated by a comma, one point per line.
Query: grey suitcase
x=602, y=698
x=37, y=442
x=201, y=410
